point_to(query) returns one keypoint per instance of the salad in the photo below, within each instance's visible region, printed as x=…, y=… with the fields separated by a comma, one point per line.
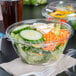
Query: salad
x=66, y=14
x=64, y=11
x=39, y=42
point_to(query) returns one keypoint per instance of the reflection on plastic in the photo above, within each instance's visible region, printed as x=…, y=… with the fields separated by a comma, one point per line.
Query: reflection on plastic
x=71, y=71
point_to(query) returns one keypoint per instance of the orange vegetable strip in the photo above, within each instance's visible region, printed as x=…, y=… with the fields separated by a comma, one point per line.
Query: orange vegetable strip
x=51, y=36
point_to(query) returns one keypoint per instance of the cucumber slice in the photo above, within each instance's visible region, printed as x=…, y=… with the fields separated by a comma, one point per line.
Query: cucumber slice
x=18, y=38
x=12, y=35
x=31, y=35
x=20, y=28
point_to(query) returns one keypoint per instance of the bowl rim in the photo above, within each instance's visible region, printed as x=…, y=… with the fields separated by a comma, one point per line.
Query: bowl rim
x=29, y=20
x=61, y=1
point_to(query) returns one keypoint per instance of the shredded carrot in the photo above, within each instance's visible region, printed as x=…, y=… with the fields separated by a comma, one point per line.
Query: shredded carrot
x=61, y=39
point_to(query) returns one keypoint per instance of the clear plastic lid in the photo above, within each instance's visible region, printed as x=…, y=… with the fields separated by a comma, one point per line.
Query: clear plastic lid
x=59, y=9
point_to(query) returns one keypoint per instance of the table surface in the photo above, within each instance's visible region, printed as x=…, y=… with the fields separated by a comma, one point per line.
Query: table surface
x=8, y=53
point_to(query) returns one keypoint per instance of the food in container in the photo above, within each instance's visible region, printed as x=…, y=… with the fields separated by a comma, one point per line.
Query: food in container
x=39, y=41
x=60, y=9
x=63, y=10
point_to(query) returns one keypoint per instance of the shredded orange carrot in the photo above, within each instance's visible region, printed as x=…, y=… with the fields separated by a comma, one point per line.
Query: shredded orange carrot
x=62, y=38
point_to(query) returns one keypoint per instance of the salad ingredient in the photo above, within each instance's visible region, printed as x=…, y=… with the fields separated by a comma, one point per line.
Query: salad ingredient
x=55, y=35
x=33, y=55
x=28, y=34
x=60, y=14
x=31, y=34
x=40, y=25
x=19, y=28
x=36, y=47
x=43, y=27
x=64, y=33
x=50, y=46
x=12, y=35
x=58, y=51
x=61, y=11
x=62, y=20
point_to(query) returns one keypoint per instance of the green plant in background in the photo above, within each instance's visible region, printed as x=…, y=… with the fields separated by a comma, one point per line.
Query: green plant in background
x=26, y=2
x=73, y=24
x=34, y=2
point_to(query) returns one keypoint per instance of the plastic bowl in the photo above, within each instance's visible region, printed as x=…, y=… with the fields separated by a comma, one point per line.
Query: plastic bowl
x=60, y=9
x=37, y=41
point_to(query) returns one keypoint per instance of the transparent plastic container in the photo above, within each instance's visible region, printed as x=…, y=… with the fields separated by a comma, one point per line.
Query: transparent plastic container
x=38, y=46
x=60, y=10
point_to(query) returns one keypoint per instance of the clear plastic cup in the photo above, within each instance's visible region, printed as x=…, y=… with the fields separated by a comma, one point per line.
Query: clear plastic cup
x=12, y=11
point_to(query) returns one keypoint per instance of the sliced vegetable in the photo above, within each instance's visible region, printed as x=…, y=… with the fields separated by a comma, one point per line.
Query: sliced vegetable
x=20, y=28
x=18, y=38
x=51, y=47
x=12, y=35
x=40, y=25
x=62, y=11
x=43, y=27
x=59, y=14
x=31, y=34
